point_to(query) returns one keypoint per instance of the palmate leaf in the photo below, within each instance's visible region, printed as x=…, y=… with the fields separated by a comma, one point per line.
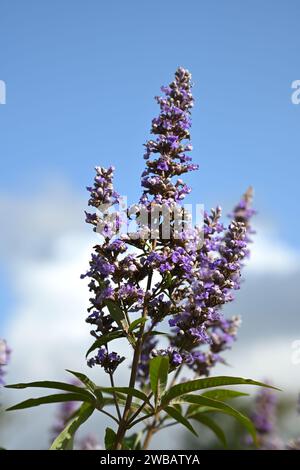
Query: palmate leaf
x=224, y=408
x=64, y=440
x=105, y=339
x=175, y=414
x=52, y=385
x=159, y=369
x=199, y=384
x=56, y=398
x=211, y=424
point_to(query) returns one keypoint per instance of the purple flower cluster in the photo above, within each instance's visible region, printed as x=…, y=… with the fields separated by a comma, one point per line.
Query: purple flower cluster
x=186, y=277
x=265, y=411
x=109, y=361
x=264, y=420
x=171, y=144
x=4, y=359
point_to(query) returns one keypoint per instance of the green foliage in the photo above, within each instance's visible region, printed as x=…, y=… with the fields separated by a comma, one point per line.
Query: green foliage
x=224, y=394
x=52, y=385
x=105, y=339
x=117, y=314
x=216, y=405
x=199, y=384
x=109, y=439
x=127, y=391
x=64, y=440
x=175, y=414
x=134, y=325
x=159, y=369
x=56, y=398
x=210, y=423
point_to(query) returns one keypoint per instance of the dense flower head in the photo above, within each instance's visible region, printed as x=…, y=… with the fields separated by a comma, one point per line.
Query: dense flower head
x=4, y=359
x=109, y=361
x=177, y=274
x=166, y=156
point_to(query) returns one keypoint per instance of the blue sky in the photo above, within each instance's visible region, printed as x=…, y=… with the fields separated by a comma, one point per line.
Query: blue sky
x=81, y=77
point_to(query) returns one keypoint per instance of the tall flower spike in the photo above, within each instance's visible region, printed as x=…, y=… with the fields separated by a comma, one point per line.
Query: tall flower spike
x=198, y=271
x=171, y=144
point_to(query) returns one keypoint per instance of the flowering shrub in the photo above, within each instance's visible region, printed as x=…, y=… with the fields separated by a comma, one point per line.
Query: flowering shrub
x=161, y=288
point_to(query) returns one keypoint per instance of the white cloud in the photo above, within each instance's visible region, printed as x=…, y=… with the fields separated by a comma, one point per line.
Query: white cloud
x=271, y=255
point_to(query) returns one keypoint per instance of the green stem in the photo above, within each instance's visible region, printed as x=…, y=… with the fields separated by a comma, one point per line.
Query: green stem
x=136, y=357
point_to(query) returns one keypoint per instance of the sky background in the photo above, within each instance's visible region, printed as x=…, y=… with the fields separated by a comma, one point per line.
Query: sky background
x=80, y=78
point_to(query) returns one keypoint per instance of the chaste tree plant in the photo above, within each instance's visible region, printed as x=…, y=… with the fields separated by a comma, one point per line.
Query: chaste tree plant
x=159, y=283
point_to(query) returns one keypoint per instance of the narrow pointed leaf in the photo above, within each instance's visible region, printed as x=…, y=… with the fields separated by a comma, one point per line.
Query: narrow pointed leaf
x=56, y=398
x=159, y=369
x=110, y=439
x=175, y=414
x=136, y=323
x=89, y=385
x=223, y=394
x=224, y=408
x=64, y=440
x=117, y=314
x=52, y=385
x=127, y=391
x=105, y=339
x=211, y=424
x=199, y=384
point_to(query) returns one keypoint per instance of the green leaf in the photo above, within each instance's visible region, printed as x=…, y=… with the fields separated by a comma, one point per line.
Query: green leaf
x=117, y=314
x=105, y=339
x=199, y=384
x=223, y=394
x=159, y=369
x=210, y=423
x=90, y=385
x=175, y=414
x=133, y=442
x=84, y=379
x=64, y=440
x=127, y=391
x=56, y=398
x=110, y=439
x=224, y=408
x=136, y=323
x=53, y=385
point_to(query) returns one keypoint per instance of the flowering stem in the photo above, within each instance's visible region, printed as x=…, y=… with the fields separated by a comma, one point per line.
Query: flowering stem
x=115, y=397
x=136, y=357
x=140, y=409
